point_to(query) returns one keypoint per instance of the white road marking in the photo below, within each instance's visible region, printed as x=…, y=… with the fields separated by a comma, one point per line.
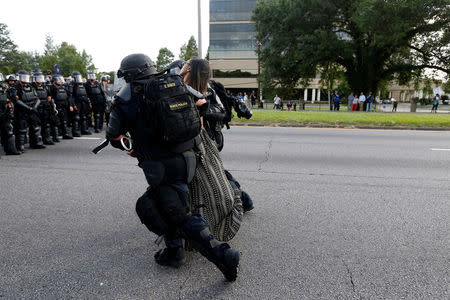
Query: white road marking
x=437, y=149
x=87, y=138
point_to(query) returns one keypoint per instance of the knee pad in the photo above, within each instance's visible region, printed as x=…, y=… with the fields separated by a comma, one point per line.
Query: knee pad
x=173, y=204
x=149, y=214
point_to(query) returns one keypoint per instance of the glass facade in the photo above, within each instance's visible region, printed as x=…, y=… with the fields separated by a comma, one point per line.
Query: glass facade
x=231, y=10
x=231, y=34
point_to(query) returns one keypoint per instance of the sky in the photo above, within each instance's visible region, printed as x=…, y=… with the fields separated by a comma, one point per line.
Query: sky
x=108, y=30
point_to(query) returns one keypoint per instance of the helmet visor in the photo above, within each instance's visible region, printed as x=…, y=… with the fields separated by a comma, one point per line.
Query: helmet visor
x=39, y=78
x=77, y=78
x=58, y=79
x=91, y=76
x=24, y=78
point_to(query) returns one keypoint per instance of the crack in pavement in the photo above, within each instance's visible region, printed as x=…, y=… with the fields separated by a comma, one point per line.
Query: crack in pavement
x=180, y=294
x=350, y=275
x=267, y=156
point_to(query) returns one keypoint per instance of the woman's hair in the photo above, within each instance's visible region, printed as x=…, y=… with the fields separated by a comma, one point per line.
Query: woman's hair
x=199, y=74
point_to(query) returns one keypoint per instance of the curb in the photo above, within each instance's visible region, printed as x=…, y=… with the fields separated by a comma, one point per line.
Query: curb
x=340, y=126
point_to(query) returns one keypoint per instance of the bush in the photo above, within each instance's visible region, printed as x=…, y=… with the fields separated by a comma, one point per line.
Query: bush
x=425, y=101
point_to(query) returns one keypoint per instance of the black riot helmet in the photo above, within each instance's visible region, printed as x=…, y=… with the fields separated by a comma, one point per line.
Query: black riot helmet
x=136, y=66
x=24, y=77
x=91, y=76
x=38, y=77
x=77, y=78
x=11, y=77
x=58, y=79
x=176, y=66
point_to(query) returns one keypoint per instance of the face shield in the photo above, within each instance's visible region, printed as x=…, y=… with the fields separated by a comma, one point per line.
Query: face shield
x=39, y=78
x=91, y=76
x=59, y=80
x=24, y=78
x=175, y=71
x=78, y=79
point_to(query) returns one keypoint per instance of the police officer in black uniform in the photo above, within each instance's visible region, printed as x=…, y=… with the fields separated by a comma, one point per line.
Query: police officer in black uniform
x=98, y=100
x=164, y=207
x=81, y=104
x=61, y=100
x=47, y=110
x=6, y=117
x=26, y=113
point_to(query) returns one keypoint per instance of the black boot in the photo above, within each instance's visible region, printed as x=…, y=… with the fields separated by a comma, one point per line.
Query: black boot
x=84, y=128
x=36, y=138
x=55, y=138
x=96, y=123
x=10, y=147
x=20, y=141
x=197, y=233
x=46, y=135
x=76, y=129
x=172, y=257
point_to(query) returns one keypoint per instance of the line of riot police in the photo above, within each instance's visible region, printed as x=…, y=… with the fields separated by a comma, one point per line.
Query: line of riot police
x=38, y=111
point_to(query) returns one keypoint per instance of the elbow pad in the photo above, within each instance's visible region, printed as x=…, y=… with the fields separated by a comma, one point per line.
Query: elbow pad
x=114, y=125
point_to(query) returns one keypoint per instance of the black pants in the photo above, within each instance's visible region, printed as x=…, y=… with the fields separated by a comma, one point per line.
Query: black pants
x=98, y=107
x=164, y=208
x=24, y=121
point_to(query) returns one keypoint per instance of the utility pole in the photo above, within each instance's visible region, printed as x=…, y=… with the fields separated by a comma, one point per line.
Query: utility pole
x=259, y=82
x=199, y=30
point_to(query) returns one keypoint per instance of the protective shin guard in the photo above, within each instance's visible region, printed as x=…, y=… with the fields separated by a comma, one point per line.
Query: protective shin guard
x=96, y=123
x=46, y=135
x=84, y=128
x=20, y=141
x=149, y=215
x=197, y=233
x=36, y=138
x=54, y=130
x=76, y=129
x=65, y=132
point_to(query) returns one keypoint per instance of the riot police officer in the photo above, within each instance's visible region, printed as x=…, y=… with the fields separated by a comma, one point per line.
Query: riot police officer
x=26, y=113
x=108, y=89
x=47, y=110
x=61, y=100
x=81, y=105
x=6, y=117
x=98, y=100
x=164, y=207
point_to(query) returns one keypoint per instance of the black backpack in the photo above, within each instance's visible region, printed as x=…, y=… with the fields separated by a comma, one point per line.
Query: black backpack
x=170, y=109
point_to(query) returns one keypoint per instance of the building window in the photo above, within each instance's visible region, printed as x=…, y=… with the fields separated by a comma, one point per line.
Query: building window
x=235, y=73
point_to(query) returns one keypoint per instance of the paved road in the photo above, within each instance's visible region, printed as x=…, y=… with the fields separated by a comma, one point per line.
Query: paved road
x=345, y=214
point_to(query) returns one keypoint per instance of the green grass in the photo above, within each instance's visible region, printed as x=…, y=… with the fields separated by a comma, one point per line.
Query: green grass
x=343, y=119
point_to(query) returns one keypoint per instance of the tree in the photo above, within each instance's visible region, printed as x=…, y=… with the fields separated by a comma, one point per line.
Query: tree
x=50, y=58
x=7, y=49
x=188, y=50
x=165, y=57
x=372, y=40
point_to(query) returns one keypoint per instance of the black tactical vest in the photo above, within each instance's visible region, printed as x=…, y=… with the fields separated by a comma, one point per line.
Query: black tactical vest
x=61, y=96
x=28, y=95
x=95, y=89
x=3, y=94
x=41, y=92
x=79, y=91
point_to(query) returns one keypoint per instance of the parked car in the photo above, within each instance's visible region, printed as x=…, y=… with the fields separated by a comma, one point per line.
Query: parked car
x=386, y=101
